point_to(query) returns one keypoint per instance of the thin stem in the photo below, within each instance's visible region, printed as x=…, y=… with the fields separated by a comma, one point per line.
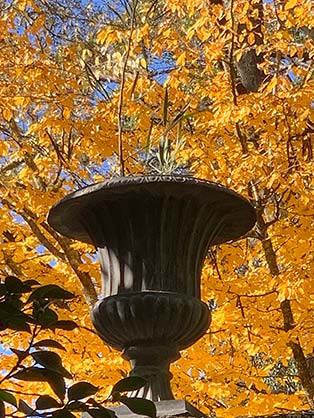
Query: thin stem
x=231, y=53
x=20, y=360
x=239, y=133
x=122, y=85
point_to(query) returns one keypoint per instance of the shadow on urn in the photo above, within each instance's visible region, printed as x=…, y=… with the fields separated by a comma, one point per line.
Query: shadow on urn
x=152, y=235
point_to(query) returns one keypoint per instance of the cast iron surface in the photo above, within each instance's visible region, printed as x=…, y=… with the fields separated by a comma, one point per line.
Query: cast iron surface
x=239, y=215
x=151, y=318
x=153, y=233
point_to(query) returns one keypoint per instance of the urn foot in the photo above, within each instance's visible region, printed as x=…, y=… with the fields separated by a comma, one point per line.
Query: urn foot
x=150, y=328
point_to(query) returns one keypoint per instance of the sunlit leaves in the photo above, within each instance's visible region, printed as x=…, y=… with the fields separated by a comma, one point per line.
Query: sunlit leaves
x=59, y=132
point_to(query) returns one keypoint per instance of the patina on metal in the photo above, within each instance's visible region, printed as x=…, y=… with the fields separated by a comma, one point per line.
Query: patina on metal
x=152, y=235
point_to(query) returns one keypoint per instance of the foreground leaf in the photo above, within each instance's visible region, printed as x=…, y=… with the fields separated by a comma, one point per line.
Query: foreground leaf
x=46, y=402
x=81, y=390
x=20, y=354
x=64, y=324
x=101, y=413
x=25, y=408
x=62, y=413
x=15, y=285
x=7, y=397
x=129, y=384
x=3, y=289
x=2, y=409
x=49, y=343
x=140, y=406
x=38, y=374
x=50, y=291
x=18, y=324
x=57, y=384
x=51, y=361
x=46, y=318
x=31, y=374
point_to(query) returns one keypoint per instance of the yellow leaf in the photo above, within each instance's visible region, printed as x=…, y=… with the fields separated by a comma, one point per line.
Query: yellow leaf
x=251, y=38
x=283, y=292
x=166, y=33
x=181, y=59
x=101, y=36
x=84, y=268
x=19, y=101
x=290, y=4
x=4, y=147
x=271, y=85
x=143, y=63
x=21, y=4
x=238, y=54
x=7, y=114
x=66, y=113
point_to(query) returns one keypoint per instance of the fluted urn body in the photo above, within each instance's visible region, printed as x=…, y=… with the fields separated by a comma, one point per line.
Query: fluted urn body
x=152, y=235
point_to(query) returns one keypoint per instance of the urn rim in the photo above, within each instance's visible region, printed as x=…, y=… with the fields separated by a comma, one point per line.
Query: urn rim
x=65, y=216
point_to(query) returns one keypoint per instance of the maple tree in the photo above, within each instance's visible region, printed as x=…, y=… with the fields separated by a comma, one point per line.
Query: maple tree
x=221, y=90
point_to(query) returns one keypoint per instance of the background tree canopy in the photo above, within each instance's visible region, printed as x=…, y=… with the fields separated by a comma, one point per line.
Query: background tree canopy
x=219, y=90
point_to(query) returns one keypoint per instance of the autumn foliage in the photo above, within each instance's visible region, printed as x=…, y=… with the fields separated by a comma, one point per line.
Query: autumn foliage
x=219, y=90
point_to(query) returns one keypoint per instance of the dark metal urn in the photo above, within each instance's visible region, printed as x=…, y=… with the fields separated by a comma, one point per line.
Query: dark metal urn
x=152, y=235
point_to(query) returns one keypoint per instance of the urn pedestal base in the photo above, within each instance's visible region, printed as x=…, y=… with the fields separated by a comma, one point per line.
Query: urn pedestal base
x=150, y=328
x=165, y=409
x=152, y=363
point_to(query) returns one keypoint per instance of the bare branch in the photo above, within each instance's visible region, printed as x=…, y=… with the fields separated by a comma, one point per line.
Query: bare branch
x=120, y=104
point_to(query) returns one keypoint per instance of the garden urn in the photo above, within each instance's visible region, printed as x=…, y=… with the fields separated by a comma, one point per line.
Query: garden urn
x=152, y=235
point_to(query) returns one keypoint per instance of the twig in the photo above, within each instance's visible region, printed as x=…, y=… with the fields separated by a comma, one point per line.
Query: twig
x=120, y=104
x=231, y=53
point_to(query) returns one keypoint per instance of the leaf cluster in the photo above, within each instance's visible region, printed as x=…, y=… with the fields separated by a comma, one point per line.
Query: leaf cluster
x=25, y=306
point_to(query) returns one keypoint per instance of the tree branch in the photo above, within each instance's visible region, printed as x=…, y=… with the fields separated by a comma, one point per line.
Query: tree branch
x=122, y=85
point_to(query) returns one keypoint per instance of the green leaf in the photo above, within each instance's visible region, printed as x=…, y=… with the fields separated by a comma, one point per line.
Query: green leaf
x=51, y=361
x=76, y=406
x=31, y=374
x=31, y=282
x=7, y=310
x=20, y=354
x=129, y=384
x=140, y=406
x=7, y=397
x=12, y=317
x=38, y=374
x=15, y=285
x=66, y=325
x=50, y=291
x=25, y=408
x=62, y=413
x=57, y=383
x=165, y=110
x=15, y=302
x=180, y=116
x=47, y=318
x=46, y=402
x=2, y=410
x=18, y=324
x=3, y=289
x=101, y=413
x=49, y=343
x=81, y=390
